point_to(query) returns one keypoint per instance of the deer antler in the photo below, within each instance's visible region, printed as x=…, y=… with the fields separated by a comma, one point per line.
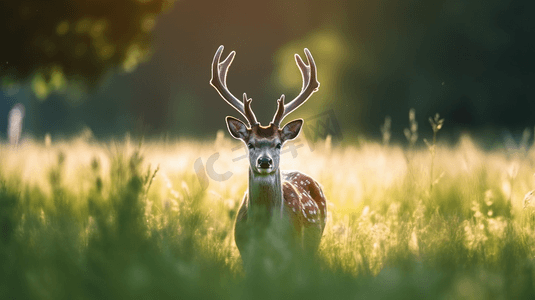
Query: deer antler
x=219, y=82
x=310, y=85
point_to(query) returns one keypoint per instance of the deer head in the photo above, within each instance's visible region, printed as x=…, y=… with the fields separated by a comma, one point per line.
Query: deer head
x=264, y=142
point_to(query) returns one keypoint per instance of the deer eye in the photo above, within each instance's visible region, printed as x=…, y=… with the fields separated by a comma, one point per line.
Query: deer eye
x=279, y=145
x=250, y=146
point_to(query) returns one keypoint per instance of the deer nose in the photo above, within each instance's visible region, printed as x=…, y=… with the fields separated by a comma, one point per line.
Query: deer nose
x=264, y=162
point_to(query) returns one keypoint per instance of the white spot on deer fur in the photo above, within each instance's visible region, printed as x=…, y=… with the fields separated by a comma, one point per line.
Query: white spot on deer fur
x=293, y=209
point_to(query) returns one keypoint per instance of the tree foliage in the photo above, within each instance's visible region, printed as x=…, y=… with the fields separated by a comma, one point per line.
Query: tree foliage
x=62, y=39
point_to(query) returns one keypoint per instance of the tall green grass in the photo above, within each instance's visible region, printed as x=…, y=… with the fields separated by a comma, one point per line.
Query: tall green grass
x=118, y=220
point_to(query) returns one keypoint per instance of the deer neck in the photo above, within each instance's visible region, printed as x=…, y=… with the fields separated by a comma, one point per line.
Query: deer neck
x=265, y=195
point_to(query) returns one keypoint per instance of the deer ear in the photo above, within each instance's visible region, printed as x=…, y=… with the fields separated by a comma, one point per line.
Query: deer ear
x=237, y=128
x=291, y=130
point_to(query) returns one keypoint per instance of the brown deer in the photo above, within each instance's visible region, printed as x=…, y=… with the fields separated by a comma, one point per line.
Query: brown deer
x=291, y=199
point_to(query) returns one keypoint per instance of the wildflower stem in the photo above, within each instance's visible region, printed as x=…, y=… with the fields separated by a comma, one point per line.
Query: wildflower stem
x=433, y=149
x=436, y=125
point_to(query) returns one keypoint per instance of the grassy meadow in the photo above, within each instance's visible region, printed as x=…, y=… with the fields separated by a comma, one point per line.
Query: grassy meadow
x=125, y=219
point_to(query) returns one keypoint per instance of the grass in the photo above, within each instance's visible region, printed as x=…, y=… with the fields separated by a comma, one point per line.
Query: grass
x=86, y=220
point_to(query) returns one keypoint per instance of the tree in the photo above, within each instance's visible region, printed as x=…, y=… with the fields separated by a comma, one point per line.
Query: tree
x=52, y=42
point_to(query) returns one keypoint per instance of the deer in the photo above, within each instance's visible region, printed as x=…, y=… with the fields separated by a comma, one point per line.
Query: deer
x=291, y=201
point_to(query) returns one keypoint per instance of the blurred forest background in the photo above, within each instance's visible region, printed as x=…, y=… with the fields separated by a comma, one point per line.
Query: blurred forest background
x=144, y=65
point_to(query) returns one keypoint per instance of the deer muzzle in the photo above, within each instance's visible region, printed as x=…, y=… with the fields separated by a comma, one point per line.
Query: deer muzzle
x=264, y=162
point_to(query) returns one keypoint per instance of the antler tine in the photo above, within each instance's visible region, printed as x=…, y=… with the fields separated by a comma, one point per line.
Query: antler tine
x=224, y=65
x=310, y=85
x=280, y=111
x=303, y=68
x=219, y=82
x=248, y=111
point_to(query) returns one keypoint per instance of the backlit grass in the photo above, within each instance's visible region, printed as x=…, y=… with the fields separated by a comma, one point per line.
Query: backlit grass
x=127, y=220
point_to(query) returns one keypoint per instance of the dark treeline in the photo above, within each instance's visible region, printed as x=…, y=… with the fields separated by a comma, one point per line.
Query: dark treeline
x=470, y=61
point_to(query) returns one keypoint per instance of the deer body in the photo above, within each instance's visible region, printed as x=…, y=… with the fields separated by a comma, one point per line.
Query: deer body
x=289, y=205
x=291, y=194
